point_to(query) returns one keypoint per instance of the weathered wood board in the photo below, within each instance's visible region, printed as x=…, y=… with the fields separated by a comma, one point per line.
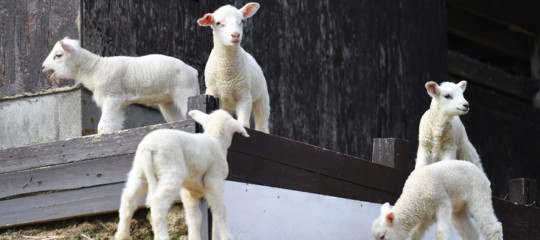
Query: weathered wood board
x=28, y=31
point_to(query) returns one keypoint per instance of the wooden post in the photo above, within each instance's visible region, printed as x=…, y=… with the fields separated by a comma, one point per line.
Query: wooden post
x=204, y=103
x=391, y=152
x=523, y=191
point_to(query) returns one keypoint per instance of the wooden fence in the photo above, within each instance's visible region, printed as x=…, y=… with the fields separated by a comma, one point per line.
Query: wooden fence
x=85, y=176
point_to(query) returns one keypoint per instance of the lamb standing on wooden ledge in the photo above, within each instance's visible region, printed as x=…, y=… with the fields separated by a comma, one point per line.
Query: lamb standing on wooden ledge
x=232, y=75
x=442, y=134
x=119, y=81
x=443, y=192
x=170, y=162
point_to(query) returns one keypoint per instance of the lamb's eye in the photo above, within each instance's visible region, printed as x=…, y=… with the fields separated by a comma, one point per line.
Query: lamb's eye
x=58, y=55
x=448, y=96
x=218, y=24
x=382, y=237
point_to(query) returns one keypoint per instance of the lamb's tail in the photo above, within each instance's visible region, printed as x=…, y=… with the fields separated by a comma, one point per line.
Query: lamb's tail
x=145, y=158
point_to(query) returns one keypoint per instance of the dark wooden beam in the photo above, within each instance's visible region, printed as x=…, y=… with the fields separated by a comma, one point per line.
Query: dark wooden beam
x=486, y=32
x=464, y=67
x=521, y=14
x=263, y=150
x=519, y=222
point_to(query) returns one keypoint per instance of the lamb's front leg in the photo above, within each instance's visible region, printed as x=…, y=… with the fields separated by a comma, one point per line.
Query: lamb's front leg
x=243, y=109
x=112, y=116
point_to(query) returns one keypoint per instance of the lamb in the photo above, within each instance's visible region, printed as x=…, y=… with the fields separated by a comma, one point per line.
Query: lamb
x=170, y=162
x=231, y=74
x=443, y=192
x=442, y=134
x=119, y=81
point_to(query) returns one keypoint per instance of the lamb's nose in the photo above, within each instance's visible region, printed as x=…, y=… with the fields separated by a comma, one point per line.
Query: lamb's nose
x=235, y=35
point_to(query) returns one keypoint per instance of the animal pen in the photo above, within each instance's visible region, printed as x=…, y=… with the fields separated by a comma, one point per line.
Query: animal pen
x=346, y=83
x=93, y=170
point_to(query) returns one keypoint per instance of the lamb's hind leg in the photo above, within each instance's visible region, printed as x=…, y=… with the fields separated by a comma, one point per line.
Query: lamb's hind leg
x=444, y=220
x=482, y=212
x=159, y=208
x=191, y=200
x=463, y=224
x=213, y=189
x=134, y=190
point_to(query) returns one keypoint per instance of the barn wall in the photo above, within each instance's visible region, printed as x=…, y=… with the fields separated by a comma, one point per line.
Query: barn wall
x=28, y=31
x=339, y=73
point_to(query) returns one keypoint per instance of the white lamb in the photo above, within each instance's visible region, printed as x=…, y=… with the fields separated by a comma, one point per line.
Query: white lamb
x=443, y=192
x=170, y=162
x=442, y=134
x=119, y=81
x=231, y=74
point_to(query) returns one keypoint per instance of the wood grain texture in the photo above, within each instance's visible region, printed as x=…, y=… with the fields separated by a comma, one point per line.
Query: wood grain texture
x=464, y=67
x=60, y=205
x=351, y=72
x=391, y=152
x=519, y=222
x=77, y=149
x=261, y=152
x=28, y=32
x=86, y=173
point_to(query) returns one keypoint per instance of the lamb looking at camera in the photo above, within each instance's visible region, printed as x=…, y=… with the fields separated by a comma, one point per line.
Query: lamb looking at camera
x=445, y=192
x=232, y=75
x=170, y=162
x=442, y=134
x=119, y=81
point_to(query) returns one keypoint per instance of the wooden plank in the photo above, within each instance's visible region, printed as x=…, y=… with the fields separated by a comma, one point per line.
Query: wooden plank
x=320, y=161
x=77, y=149
x=519, y=222
x=60, y=205
x=391, y=152
x=464, y=67
x=489, y=33
x=523, y=191
x=64, y=177
x=250, y=169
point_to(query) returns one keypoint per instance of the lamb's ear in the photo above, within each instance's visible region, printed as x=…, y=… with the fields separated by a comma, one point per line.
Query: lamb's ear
x=206, y=20
x=199, y=116
x=68, y=46
x=249, y=9
x=390, y=218
x=463, y=85
x=385, y=208
x=433, y=89
x=240, y=129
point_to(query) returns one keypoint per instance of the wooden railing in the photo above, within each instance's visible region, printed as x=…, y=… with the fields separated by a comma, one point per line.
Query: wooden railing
x=85, y=176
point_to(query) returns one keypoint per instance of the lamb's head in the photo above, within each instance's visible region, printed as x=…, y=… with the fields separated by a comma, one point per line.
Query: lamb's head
x=448, y=97
x=227, y=22
x=60, y=62
x=386, y=227
x=219, y=122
